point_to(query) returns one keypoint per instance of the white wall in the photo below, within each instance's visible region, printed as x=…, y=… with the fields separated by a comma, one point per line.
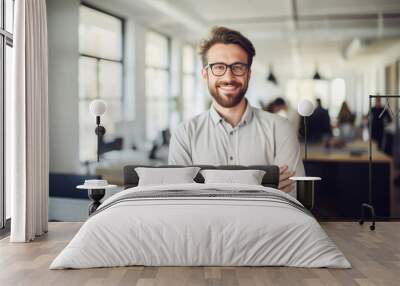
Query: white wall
x=140, y=80
x=261, y=90
x=176, y=79
x=62, y=22
x=135, y=92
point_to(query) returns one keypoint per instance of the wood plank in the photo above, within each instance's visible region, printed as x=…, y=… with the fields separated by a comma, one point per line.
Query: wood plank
x=375, y=257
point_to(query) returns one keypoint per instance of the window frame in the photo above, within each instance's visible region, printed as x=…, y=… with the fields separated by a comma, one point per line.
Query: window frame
x=99, y=59
x=169, y=99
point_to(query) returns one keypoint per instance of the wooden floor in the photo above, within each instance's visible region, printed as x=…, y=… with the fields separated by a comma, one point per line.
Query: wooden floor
x=375, y=257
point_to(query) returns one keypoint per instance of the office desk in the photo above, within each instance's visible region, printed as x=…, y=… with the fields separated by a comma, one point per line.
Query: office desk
x=344, y=185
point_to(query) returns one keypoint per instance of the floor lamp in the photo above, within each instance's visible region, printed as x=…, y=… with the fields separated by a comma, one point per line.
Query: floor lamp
x=97, y=188
x=305, y=185
x=97, y=108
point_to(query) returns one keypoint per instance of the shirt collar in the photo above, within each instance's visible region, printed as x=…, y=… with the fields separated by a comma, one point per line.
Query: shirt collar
x=248, y=114
x=246, y=117
x=216, y=118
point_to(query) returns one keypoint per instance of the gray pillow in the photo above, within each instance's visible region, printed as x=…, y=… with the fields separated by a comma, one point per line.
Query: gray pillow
x=163, y=176
x=248, y=177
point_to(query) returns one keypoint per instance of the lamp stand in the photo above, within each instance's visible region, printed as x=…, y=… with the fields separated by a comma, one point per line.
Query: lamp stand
x=305, y=138
x=100, y=131
x=95, y=195
x=305, y=193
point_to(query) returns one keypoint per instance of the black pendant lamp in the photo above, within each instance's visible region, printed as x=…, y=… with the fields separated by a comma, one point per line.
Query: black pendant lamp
x=271, y=77
x=317, y=76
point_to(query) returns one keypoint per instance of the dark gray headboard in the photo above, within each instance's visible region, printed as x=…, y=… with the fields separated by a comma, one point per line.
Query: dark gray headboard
x=270, y=179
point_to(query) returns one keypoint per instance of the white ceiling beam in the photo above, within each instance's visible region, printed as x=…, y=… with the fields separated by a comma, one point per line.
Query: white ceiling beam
x=356, y=46
x=323, y=34
x=178, y=14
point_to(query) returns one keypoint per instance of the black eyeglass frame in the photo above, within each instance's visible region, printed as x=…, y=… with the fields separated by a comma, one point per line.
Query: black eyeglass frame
x=247, y=68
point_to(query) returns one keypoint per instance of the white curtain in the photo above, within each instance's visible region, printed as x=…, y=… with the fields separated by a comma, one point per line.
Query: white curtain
x=28, y=148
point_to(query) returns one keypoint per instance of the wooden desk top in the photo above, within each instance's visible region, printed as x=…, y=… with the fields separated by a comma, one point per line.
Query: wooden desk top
x=319, y=153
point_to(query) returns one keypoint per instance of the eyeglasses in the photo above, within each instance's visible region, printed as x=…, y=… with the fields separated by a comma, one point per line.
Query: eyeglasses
x=219, y=69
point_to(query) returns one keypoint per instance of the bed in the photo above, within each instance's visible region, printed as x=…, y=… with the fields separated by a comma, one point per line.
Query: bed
x=201, y=224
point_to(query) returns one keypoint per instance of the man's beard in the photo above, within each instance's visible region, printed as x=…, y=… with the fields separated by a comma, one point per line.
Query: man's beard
x=224, y=100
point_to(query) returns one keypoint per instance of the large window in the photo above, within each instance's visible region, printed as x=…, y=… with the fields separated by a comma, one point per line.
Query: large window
x=100, y=74
x=6, y=44
x=159, y=104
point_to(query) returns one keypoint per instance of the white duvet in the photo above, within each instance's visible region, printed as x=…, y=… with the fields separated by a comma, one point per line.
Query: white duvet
x=185, y=231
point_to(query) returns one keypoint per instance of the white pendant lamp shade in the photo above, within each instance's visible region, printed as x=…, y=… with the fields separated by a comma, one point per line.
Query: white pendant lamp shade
x=305, y=108
x=98, y=107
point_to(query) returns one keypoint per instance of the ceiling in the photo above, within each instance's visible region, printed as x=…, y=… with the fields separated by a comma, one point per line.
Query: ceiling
x=291, y=34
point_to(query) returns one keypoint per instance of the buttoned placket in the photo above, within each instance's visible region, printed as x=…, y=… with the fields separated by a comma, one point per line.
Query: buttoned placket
x=236, y=138
x=230, y=135
x=234, y=145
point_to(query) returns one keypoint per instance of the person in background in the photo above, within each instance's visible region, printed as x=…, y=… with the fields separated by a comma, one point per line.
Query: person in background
x=319, y=124
x=281, y=108
x=345, y=122
x=379, y=120
x=270, y=107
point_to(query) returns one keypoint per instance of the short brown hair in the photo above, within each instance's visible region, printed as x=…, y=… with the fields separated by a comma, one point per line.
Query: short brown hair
x=223, y=35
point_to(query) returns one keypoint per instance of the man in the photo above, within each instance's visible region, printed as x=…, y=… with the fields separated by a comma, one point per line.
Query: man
x=282, y=108
x=319, y=124
x=232, y=132
x=379, y=120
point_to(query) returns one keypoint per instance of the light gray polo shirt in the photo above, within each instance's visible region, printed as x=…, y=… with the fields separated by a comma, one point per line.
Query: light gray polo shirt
x=260, y=138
